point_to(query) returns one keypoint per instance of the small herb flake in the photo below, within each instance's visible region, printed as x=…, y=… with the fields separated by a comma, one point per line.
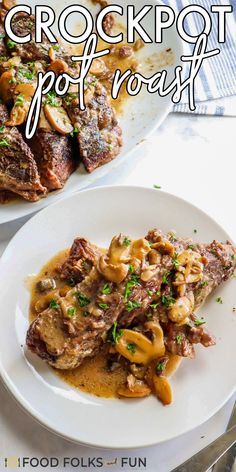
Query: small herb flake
x=106, y=290
x=167, y=300
x=82, y=299
x=127, y=242
x=103, y=306
x=19, y=101
x=115, y=334
x=154, y=306
x=71, y=311
x=179, y=339
x=158, y=187
x=200, y=322
x=131, y=347
x=53, y=304
x=160, y=367
x=219, y=300
x=11, y=44
x=130, y=306
x=4, y=142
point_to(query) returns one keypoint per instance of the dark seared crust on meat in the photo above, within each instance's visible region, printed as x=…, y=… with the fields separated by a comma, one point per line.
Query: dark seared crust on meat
x=18, y=170
x=23, y=24
x=54, y=157
x=99, y=135
x=81, y=259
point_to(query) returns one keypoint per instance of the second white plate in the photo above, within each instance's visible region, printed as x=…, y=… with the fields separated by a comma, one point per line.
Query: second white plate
x=200, y=386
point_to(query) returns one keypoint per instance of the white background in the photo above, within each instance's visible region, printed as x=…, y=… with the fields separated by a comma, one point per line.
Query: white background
x=194, y=158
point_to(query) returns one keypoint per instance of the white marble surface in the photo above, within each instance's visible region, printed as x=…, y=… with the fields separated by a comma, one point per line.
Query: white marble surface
x=194, y=158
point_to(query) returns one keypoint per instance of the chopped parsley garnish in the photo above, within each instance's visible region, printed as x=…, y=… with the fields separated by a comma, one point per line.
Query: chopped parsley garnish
x=233, y=257
x=2, y=129
x=74, y=132
x=127, y=242
x=158, y=187
x=52, y=99
x=4, y=143
x=204, y=284
x=165, y=278
x=160, y=367
x=130, y=284
x=103, y=306
x=219, y=300
x=191, y=247
x=2, y=35
x=150, y=293
x=71, y=311
x=82, y=299
x=106, y=290
x=110, y=147
x=56, y=47
x=154, y=306
x=13, y=80
x=28, y=74
x=179, y=339
x=115, y=334
x=30, y=24
x=11, y=44
x=175, y=261
x=199, y=322
x=167, y=300
x=94, y=83
x=131, y=268
x=19, y=101
x=54, y=304
x=130, y=306
x=131, y=347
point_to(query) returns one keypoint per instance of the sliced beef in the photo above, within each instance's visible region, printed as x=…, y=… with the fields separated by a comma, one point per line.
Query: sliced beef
x=18, y=170
x=54, y=157
x=77, y=328
x=99, y=135
x=3, y=50
x=81, y=259
x=23, y=24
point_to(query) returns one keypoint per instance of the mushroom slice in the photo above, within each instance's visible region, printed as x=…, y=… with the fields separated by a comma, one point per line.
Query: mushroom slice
x=58, y=119
x=119, y=251
x=164, y=247
x=158, y=341
x=12, y=62
x=7, y=85
x=114, y=265
x=134, y=388
x=181, y=309
x=135, y=347
x=98, y=67
x=140, y=248
x=172, y=364
x=162, y=389
x=58, y=66
x=21, y=107
x=111, y=272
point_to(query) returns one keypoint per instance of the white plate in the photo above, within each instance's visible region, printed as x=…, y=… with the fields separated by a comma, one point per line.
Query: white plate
x=140, y=116
x=200, y=386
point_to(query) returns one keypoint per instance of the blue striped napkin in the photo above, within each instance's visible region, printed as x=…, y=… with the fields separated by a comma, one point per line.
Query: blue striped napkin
x=215, y=85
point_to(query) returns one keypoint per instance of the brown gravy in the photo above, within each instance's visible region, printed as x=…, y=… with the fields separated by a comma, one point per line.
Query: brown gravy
x=92, y=376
